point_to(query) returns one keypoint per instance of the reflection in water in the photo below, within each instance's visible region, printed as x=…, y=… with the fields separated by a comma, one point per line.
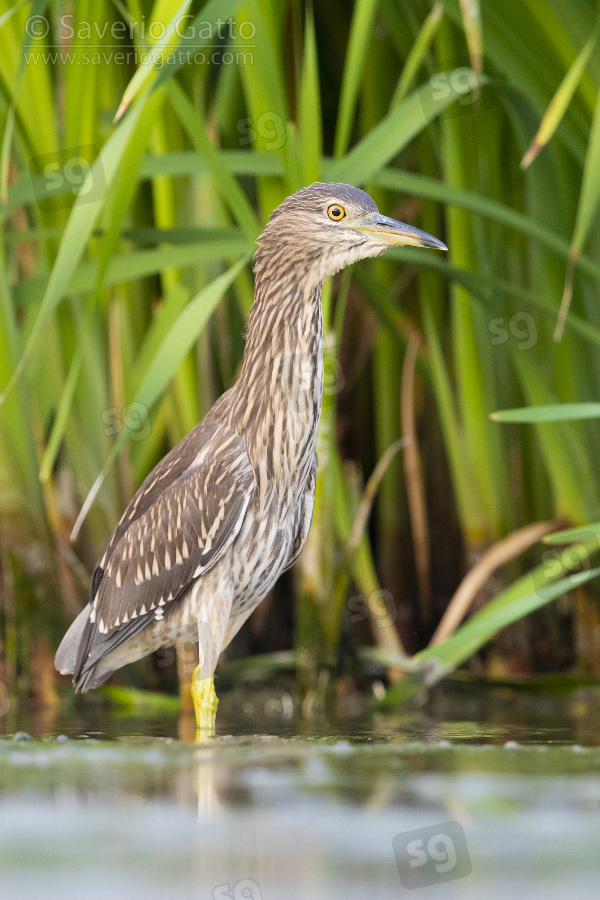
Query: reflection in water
x=455, y=712
x=291, y=818
x=305, y=809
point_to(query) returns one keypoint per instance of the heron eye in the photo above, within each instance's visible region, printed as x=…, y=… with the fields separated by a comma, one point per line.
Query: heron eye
x=336, y=212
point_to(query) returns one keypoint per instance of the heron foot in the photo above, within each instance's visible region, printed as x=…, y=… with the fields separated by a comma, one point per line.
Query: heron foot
x=205, y=702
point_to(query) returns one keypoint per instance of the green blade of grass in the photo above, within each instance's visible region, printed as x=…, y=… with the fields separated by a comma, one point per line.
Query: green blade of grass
x=13, y=9
x=522, y=598
x=393, y=133
x=418, y=51
x=184, y=334
x=140, y=263
x=589, y=199
x=310, y=105
x=226, y=185
x=79, y=227
x=37, y=8
x=360, y=35
x=572, y=535
x=466, y=495
x=150, y=67
x=471, y=19
x=560, y=102
x=529, y=593
x=60, y=422
x=554, y=412
x=562, y=446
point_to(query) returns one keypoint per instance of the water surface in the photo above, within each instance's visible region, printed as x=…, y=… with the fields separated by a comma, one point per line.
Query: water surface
x=101, y=804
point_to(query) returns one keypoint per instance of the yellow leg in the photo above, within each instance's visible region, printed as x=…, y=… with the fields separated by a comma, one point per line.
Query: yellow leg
x=205, y=702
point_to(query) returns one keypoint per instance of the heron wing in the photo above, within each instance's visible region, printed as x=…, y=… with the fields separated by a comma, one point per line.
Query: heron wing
x=172, y=532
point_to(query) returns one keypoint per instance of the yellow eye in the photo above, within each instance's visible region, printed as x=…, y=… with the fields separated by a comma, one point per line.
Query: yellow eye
x=336, y=212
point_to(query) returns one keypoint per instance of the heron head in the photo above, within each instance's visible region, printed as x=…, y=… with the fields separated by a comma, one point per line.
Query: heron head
x=325, y=227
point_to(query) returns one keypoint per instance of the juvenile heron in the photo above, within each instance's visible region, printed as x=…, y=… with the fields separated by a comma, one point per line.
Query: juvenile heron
x=229, y=508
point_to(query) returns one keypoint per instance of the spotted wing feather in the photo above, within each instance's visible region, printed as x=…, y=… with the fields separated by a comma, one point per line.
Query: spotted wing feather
x=172, y=532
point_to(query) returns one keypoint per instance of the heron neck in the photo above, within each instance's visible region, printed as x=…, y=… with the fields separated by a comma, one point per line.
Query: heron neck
x=280, y=388
x=285, y=319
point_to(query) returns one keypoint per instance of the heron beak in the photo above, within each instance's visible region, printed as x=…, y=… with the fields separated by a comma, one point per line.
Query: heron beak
x=382, y=230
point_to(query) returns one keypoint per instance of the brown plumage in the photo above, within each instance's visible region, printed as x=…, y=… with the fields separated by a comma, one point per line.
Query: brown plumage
x=229, y=508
